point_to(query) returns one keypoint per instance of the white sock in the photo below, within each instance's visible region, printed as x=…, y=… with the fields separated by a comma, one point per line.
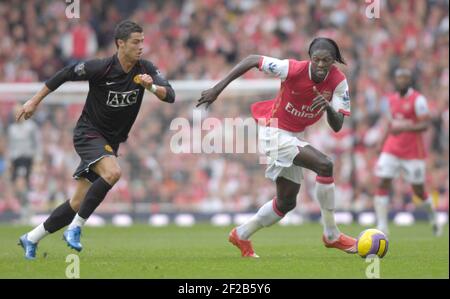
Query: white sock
x=381, y=203
x=77, y=221
x=429, y=208
x=324, y=192
x=266, y=216
x=37, y=233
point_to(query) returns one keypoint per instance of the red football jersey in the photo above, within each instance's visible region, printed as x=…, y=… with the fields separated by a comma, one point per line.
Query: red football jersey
x=407, y=145
x=292, y=105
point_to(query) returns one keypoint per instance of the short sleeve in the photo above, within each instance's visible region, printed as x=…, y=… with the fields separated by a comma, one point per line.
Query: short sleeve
x=82, y=71
x=87, y=70
x=156, y=75
x=275, y=67
x=421, y=106
x=341, y=98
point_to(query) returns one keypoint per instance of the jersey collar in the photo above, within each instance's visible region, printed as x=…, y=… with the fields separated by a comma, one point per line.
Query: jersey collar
x=407, y=94
x=119, y=66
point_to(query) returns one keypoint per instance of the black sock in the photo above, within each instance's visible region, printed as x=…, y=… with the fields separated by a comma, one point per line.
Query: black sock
x=94, y=197
x=59, y=218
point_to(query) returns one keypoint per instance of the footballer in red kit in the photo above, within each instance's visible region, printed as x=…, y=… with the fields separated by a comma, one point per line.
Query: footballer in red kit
x=309, y=89
x=403, y=149
x=292, y=106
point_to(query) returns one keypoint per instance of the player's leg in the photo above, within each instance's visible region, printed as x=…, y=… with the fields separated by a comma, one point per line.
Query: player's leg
x=381, y=203
x=269, y=214
x=415, y=171
x=99, y=165
x=108, y=172
x=386, y=169
x=59, y=218
x=313, y=159
x=280, y=149
x=21, y=188
x=27, y=165
x=427, y=204
x=273, y=211
x=83, y=186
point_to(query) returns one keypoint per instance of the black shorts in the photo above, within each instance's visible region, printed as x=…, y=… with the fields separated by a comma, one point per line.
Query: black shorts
x=91, y=146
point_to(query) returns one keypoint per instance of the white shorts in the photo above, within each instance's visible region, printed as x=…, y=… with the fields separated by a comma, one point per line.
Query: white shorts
x=390, y=166
x=280, y=148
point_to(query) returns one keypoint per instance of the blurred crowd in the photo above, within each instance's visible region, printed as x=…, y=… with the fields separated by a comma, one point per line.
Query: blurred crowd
x=203, y=39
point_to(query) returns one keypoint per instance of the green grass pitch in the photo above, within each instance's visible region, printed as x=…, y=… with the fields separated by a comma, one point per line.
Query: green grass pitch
x=203, y=251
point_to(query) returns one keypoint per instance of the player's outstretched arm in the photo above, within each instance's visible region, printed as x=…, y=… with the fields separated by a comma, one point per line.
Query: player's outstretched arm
x=30, y=106
x=75, y=72
x=210, y=95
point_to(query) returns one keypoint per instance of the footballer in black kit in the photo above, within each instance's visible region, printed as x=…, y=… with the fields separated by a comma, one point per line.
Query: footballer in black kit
x=111, y=106
x=116, y=89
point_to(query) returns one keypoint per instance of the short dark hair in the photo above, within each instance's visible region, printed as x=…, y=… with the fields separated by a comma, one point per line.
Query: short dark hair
x=125, y=29
x=326, y=44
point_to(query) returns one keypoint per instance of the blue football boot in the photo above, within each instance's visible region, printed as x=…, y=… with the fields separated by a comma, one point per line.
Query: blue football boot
x=72, y=237
x=28, y=246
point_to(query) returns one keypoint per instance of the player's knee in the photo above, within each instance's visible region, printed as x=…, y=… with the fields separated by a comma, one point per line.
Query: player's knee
x=325, y=167
x=112, y=175
x=75, y=204
x=384, y=184
x=287, y=203
x=419, y=191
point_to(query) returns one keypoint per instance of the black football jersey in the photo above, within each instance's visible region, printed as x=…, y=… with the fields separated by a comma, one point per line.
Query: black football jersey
x=114, y=99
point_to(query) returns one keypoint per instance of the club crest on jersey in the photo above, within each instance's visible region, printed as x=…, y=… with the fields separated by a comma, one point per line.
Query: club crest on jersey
x=122, y=99
x=108, y=148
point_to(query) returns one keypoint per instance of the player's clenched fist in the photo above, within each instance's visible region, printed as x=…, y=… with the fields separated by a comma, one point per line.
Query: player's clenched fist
x=144, y=79
x=27, y=110
x=319, y=101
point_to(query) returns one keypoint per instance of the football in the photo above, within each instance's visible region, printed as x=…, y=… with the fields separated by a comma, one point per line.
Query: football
x=372, y=241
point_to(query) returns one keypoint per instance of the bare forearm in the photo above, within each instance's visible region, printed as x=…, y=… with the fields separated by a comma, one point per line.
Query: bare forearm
x=409, y=126
x=418, y=127
x=335, y=119
x=210, y=95
x=160, y=92
x=40, y=95
x=28, y=109
x=241, y=68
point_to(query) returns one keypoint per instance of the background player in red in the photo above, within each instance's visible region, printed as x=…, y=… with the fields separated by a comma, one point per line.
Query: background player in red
x=403, y=148
x=308, y=90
